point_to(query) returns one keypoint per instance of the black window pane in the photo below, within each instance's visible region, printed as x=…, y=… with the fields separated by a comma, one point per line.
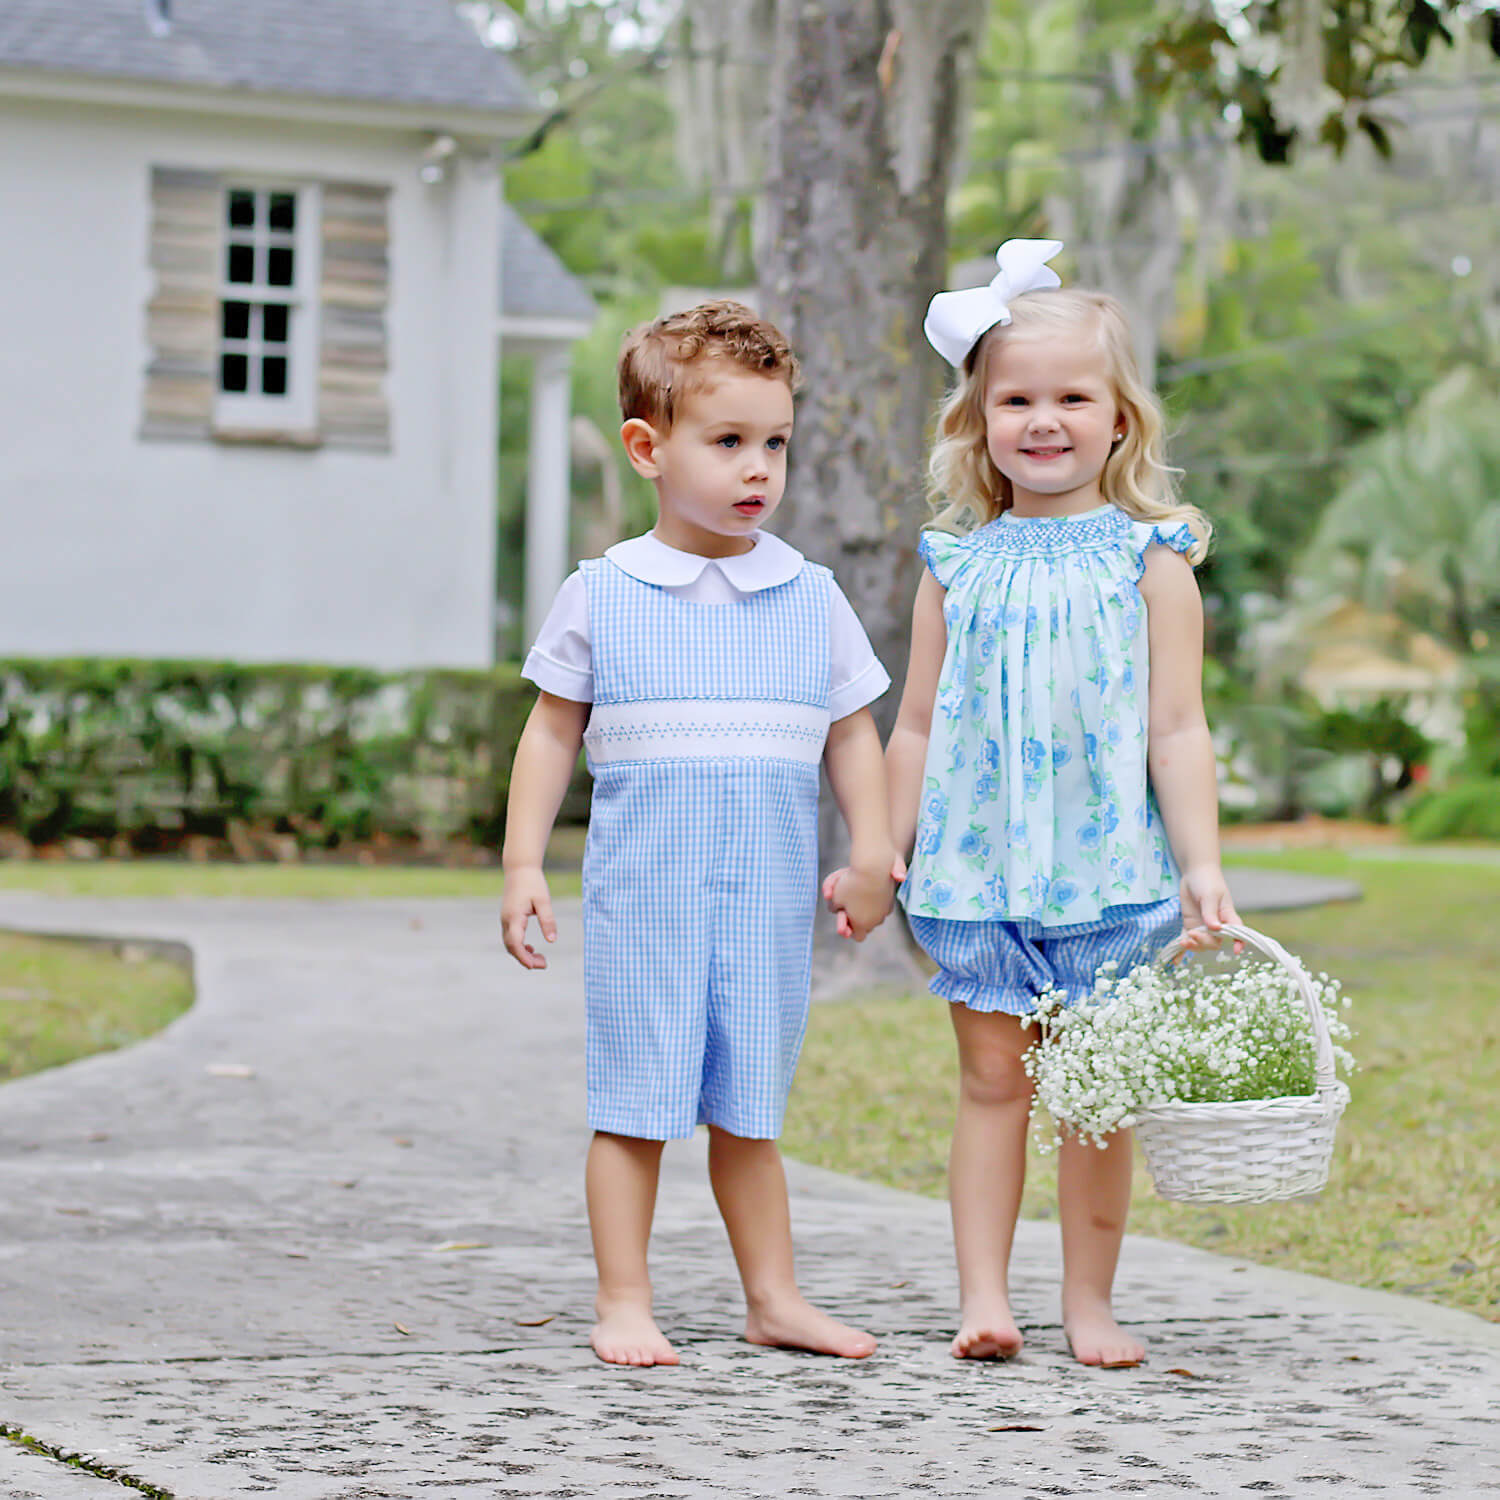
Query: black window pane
x=279, y=272
x=283, y=211
x=241, y=263
x=234, y=372
x=236, y=320
x=273, y=375
x=242, y=209
x=273, y=322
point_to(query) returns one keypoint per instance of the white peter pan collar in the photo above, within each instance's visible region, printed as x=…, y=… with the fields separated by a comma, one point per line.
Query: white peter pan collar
x=768, y=563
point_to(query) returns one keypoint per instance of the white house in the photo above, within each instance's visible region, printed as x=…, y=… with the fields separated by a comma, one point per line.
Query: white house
x=250, y=272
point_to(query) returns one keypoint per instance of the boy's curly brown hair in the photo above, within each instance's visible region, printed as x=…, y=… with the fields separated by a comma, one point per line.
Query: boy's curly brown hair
x=664, y=362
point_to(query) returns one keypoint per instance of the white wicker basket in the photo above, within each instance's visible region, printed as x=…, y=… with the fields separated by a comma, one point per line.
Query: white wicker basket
x=1253, y=1150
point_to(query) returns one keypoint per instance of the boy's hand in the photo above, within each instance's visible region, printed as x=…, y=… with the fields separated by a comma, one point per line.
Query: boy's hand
x=526, y=896
x=1206, y=907
x=860, y=900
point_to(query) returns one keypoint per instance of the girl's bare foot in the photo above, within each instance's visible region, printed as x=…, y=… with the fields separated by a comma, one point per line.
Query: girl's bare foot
x=626, y=1334
x=791, y=1322
x=1096, y=1339
x=987, y=1331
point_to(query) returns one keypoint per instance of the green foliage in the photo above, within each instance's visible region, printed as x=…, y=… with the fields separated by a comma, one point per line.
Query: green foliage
x=599, y=182
x=1286, y=381
x=1482, y=718
x=1242, y=66
x=150, y=751
x=1377, y=735
x=1467, y=810
x=1436, y=563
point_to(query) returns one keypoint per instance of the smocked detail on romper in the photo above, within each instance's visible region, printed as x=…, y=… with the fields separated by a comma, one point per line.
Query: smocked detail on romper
x=621, y=732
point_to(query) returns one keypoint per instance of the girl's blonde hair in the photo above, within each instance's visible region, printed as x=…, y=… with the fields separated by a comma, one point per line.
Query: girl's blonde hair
x=965, y=487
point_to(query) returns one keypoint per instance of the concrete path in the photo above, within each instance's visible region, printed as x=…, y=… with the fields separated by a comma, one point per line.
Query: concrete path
x=325, y=1237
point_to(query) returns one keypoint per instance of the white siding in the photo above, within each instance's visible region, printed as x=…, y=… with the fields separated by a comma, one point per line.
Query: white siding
x=118, y=546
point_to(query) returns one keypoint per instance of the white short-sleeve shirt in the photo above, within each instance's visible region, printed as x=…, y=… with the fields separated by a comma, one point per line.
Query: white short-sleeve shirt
x=561, y=660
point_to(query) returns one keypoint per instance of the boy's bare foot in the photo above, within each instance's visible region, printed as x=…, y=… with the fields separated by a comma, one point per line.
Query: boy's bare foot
x=1096, y=1339
x=626, y=1334
x=987, y=1331
x=794, y=1323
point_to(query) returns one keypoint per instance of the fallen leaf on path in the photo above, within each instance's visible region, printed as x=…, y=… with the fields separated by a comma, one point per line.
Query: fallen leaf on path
x=1017, y=1427
x=230, y=1070
x=534, y=1322
x=402, y=1328
x=298, y=1255
x=1186, y=1374
x=897, y=1285
x=463, y=1245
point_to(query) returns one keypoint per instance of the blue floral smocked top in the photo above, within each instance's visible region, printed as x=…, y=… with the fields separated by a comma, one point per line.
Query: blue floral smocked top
x=1035, y=804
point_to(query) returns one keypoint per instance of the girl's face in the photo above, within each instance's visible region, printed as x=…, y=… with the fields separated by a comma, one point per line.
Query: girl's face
x=1050, y=420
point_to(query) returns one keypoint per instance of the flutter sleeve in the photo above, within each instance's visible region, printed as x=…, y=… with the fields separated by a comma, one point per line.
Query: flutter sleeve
x=944, y=554
x=1144, y=534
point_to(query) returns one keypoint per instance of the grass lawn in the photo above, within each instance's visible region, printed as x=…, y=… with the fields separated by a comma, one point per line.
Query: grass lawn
x=1413, y=1204
x=61, y=1000
x=162, y=878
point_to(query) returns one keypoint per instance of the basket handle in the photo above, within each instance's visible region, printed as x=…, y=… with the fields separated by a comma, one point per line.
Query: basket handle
x=1324, y=1072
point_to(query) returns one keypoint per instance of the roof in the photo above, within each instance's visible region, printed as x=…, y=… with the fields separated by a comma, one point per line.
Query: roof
x=391, y=51
x=534, y=283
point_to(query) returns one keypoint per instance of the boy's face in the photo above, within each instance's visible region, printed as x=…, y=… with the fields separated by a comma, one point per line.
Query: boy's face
x=721, y=470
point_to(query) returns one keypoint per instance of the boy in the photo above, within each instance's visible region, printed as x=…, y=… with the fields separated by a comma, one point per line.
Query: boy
x=708, y=669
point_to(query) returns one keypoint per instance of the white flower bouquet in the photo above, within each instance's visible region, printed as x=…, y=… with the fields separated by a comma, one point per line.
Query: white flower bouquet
x=1228, y=1073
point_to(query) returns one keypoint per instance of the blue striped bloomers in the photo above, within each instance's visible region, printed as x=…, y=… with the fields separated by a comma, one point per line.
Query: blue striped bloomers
x=700, y=871
x=1003, y=966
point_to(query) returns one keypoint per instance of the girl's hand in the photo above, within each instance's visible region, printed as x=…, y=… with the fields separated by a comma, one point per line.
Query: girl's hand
x=526, y=896
x=1206, y=907
x=838, y=892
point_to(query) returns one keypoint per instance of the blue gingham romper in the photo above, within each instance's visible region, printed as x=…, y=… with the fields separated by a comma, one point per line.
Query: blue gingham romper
x=700, y=875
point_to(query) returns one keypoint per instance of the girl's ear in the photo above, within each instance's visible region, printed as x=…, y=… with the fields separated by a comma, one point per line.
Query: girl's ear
x=640, y=439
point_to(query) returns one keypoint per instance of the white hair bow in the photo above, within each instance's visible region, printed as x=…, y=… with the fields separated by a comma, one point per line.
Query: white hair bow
x=956, y=321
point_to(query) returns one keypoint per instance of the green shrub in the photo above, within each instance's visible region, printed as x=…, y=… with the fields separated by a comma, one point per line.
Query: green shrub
x=1466, y=810
x=150, y=751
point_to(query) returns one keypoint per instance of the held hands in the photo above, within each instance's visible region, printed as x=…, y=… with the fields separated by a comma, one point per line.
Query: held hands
x=526, y=896
x=861, y=899
x=1206, y=907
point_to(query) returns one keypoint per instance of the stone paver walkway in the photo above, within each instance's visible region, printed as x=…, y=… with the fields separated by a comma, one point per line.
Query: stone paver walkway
x=325, y=1237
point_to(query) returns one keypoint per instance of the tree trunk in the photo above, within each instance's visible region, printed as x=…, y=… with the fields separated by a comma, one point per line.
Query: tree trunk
x=865, y=119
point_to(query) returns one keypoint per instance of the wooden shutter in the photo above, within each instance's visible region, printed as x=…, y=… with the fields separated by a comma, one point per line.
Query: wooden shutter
x=182, y=316
x=352, y=410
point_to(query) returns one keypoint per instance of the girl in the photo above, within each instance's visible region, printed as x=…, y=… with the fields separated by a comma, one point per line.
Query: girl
x=1050, y=763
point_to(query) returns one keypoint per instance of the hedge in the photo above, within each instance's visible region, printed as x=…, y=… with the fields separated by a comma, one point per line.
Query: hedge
x=150, y=751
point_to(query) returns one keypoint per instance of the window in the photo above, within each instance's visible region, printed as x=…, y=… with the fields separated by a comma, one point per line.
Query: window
x=268, y=338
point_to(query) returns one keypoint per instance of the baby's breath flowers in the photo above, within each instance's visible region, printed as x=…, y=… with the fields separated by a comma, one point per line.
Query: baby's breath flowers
x=1187, y=1033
